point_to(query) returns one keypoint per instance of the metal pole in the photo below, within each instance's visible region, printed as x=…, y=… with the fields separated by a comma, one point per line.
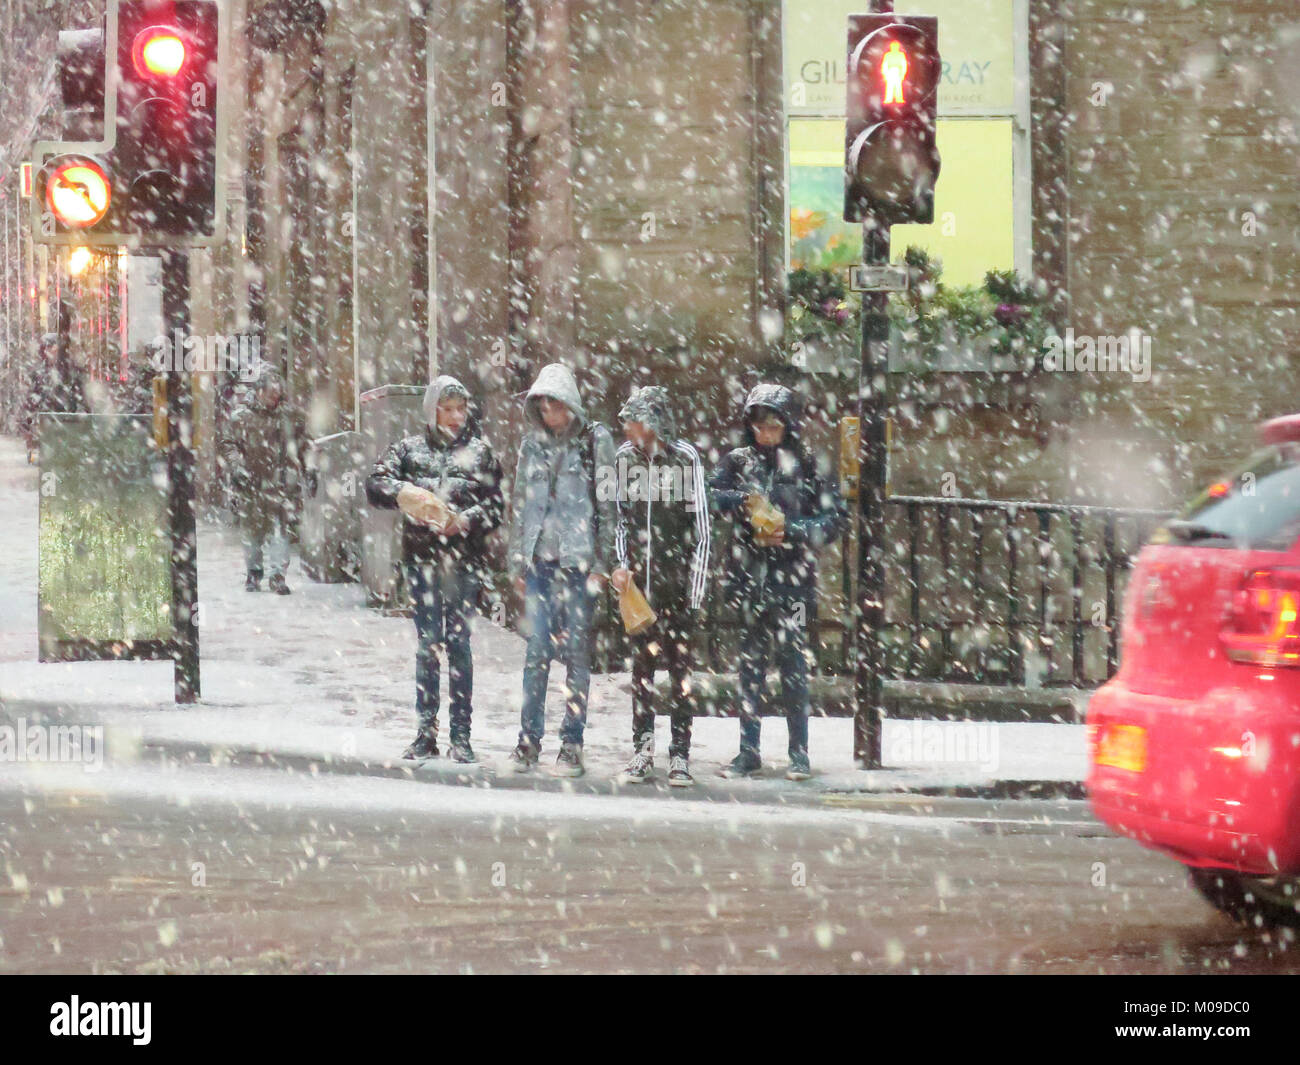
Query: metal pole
x=180, y=479
x=868, y=682
x=8, y=382
x=868, y=679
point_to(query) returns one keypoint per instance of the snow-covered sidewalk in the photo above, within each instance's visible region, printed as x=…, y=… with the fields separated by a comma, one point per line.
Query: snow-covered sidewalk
x=318, y=675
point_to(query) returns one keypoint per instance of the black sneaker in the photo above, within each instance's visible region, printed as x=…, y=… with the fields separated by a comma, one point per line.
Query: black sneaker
x=679, y=773
x=252, y=582
x=278, y=585
x=462, y=752
x=524, y=756
x=425, y=746
x=799, y=768
x=569, y=762
x=744, y=764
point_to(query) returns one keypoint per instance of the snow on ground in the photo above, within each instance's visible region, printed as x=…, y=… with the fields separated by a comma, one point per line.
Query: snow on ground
x=270, y=788
x=320, y=674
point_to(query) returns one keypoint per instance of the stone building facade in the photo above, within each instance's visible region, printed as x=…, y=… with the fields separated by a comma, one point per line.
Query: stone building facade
x=484, y=185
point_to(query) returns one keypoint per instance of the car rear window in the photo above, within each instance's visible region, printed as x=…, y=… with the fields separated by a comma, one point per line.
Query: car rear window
x=1256, y=506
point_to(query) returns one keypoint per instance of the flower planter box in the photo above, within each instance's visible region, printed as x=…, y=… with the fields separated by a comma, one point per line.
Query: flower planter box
x=954, y=355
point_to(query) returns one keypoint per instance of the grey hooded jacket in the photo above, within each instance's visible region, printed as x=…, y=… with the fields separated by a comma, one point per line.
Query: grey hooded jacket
x=556, y=477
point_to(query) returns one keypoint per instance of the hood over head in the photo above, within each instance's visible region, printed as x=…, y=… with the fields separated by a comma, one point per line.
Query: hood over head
x=781, y=401
x=266, y=377
x=442, y=386
x=649, y=405
x=556, y=381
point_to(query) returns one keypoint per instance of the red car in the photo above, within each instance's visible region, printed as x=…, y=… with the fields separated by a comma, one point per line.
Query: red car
x=1194, y=745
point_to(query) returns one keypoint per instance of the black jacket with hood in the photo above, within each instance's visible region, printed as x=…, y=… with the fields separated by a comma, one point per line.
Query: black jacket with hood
x=462, y=471
x=663, y=510
x=789, y=477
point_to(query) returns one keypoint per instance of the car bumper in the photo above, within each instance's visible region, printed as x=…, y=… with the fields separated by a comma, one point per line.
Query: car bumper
x=1221, y=784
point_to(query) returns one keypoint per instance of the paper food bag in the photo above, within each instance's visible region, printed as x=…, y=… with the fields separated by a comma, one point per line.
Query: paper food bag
x=636, y=610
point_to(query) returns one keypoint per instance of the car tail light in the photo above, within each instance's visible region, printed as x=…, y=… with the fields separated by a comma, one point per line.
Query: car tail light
x=1261, y=627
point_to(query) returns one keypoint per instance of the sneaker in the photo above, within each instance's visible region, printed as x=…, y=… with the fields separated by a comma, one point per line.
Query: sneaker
x=252, y=582
x=425, y=746
x=679, y=773
x=640, y=769
x=799, y=768
x=278, y=585
x=569, y=762
x=743, y=765
x=524, y=756
x=462, y=752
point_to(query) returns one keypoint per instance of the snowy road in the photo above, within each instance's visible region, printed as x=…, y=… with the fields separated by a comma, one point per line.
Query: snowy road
x=203, y=869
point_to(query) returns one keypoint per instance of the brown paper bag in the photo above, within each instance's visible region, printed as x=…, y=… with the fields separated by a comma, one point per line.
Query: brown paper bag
x=424, y=506
x=765, y=519
x=637, y=613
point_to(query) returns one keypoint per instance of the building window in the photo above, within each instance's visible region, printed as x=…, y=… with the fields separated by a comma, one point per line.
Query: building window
x=982, y=201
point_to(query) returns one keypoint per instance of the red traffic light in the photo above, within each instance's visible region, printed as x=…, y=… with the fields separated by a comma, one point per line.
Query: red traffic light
x=78, y=192
x=158, y=52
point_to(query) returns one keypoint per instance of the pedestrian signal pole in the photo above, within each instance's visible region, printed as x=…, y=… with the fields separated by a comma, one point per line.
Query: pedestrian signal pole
x=891, y=164
x=141, y=167
x=180, y=476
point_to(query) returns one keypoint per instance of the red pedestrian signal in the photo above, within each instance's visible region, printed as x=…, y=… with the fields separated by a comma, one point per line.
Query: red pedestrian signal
x=893, y=71
x=891, y=161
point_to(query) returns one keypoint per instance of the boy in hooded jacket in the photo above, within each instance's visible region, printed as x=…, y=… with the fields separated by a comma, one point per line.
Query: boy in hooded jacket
x=444, y=563
x=772, y=575
x=663, y=545
x=561, y=546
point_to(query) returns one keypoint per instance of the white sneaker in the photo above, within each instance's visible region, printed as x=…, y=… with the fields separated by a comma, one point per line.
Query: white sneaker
x=640, y=769
x=679, y=773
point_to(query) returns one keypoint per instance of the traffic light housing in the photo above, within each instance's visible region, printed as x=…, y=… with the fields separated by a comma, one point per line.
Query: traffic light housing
x=891, y=161
x=152, y=177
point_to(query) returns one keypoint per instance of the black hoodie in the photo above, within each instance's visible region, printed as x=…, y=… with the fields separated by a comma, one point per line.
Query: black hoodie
x=463, y=472
x=788, y=476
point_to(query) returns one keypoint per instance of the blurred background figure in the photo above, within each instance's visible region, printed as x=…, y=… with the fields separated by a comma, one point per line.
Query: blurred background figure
x=56, y=388
x=262, y=449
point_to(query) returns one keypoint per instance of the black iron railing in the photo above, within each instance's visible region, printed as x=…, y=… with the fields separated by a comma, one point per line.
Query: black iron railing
x=977, y=591
x=996, y=592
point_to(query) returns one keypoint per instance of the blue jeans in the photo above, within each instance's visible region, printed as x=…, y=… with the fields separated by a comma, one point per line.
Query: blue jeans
x=442, y=596
x=557, y=620
x=276, y=544
x=786, y=620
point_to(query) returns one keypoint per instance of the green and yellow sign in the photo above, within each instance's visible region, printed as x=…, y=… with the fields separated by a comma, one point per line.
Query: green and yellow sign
x=105, y=549
x=975, y=39
x=973, y=229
